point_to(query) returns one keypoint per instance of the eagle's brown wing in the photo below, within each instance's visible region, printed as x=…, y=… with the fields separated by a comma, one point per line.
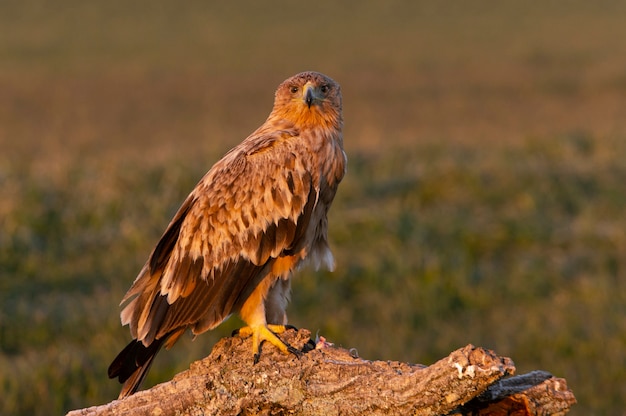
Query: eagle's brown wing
x=254, y=205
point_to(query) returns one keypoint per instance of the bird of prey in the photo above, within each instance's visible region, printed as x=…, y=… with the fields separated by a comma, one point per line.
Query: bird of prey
x=256, y=216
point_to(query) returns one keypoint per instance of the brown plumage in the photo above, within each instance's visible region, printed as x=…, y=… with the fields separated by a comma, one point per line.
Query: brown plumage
x=248, y=224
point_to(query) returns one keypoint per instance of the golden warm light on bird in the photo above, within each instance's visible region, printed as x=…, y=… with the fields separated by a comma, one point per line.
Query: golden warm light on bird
x=256, y=216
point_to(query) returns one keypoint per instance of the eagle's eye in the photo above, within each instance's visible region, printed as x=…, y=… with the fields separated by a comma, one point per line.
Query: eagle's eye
x=293, y=89
x=324, y=88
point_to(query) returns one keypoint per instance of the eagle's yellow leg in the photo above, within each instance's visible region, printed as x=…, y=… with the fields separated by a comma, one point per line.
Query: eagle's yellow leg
x=253, y=313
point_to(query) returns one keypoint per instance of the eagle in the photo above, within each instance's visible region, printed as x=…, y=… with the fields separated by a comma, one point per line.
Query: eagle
x=255, y=217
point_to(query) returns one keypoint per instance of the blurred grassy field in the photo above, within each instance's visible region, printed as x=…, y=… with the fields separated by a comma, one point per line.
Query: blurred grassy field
x=484, y=201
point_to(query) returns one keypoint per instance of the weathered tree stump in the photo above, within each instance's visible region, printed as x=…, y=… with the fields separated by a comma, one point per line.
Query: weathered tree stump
x=327, y=380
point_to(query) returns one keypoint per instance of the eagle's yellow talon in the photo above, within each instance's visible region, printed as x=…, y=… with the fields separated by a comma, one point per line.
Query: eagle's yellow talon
x=268, y=333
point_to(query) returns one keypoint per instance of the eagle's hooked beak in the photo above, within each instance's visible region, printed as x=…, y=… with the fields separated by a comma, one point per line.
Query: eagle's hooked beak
x=309, y=94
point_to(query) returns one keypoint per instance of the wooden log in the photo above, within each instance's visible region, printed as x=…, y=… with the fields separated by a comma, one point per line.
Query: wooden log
x=327, y=380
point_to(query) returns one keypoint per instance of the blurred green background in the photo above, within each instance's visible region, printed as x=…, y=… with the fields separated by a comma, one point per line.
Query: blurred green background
x=484, y=202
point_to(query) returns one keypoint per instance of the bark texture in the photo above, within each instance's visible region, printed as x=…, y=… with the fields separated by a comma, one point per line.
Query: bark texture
x=334, y=381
